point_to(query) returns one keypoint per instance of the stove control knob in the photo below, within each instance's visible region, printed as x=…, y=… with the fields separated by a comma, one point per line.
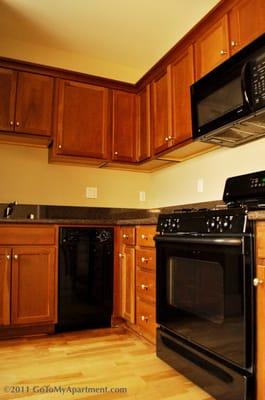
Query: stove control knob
x=212, y=224
x=226, y=224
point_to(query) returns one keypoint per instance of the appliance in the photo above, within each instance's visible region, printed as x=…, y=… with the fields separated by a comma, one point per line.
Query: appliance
x=205, y=290
x=85, y=278
x=228, y=104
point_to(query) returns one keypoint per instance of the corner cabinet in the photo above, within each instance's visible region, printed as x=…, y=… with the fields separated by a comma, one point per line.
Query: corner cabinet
x=124, y=126
x=26, y=103
x=260, y=309
x=28, y=272
x=82, y=121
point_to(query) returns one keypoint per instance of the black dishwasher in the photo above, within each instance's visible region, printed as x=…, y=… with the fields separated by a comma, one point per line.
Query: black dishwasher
x=85, y=297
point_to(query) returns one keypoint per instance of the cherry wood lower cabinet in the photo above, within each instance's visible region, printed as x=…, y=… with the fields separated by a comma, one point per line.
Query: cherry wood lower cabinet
x=28, y=277
x=260, y=317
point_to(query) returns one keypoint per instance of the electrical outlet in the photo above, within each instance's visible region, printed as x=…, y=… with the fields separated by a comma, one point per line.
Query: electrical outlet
x=142, y=196
x=200, y=184
x=91, y=192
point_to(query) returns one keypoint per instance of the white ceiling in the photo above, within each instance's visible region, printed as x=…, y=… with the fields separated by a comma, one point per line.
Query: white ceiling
x=132, y=33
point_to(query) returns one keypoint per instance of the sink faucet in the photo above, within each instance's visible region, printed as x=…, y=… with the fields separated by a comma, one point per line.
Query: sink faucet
x=9, y=209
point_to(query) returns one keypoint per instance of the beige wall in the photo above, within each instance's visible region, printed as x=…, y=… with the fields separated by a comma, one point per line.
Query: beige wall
x=27, y=177
x=178, y=184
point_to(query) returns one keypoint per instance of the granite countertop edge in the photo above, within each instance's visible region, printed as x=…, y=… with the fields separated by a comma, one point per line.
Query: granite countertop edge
x=105, y=222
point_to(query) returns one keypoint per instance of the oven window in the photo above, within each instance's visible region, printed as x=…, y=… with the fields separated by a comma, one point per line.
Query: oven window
x=197, y=287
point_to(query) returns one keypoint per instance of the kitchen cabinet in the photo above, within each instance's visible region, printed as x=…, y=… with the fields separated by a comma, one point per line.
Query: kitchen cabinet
x=143, y=142
x=26, y=102
x=181, y=78
x=82, y=125
x=5, y=285
x=246, y=22
x=146, y=281
x=260, y=309
x=124, y=126
x=127, y=273
x=28, y=273
x=161, y=112
x=212, y=46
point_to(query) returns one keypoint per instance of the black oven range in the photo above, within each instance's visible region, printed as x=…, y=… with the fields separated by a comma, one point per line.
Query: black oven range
x=205, y=291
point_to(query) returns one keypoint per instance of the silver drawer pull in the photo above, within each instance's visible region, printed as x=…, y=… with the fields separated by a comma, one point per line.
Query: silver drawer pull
x=144, y=318
x=223, y=52
x=144, y=259
x=121, y=255
x=15, y=256
x=125, y=236
x=143, y=236
x=8, y=256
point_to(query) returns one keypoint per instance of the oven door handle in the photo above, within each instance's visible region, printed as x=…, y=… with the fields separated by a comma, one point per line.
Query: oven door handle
x=225, y=241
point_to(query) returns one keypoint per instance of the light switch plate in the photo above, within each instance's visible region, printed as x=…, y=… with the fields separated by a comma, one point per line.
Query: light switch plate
x=142, y=196
x=91, y=192
x=200, y=183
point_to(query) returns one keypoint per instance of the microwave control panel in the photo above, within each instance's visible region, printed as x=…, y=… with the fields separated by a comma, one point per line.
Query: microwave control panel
x=258, y=81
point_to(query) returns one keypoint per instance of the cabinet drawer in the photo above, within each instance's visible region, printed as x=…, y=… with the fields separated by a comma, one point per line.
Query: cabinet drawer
x=146, y=258
x=260, y=236
x=146, y=318
x=146, y=285
x=128, y=235
x=11, y=235
x=145, y=235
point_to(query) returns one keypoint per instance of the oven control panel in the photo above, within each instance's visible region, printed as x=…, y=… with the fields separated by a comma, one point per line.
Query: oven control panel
x=211, y=221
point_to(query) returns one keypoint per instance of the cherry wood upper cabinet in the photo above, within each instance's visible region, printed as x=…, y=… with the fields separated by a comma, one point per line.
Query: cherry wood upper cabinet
x=246, y=22
x=5, y=285
x=143, y=142
x=34, y=106
x=182, y=77
x=26, y=102
x=124, y=126
x=7, y=98
x=83, y=120
x=161, y=112
x=33, y=285
x=211, y=46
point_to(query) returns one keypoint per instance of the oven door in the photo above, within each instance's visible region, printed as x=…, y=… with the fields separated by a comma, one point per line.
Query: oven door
x=205, y=293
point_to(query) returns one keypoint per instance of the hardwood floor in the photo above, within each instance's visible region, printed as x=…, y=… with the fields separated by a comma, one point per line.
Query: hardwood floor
x=112, y=358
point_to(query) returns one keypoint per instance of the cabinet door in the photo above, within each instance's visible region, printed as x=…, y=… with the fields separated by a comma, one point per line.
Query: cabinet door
x=182, y=77
x=82, y=125
x=246, y=22
x=7, y=98
x=128, y=284
x=124, y=129
x=5, y=283
x=161, y=112
x=34, y=104
x=212, y=47
x=143, y=146
x=33, y=285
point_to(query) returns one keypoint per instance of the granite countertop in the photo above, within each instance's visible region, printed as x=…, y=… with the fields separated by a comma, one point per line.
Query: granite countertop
x=256, y=215
x=105, y=222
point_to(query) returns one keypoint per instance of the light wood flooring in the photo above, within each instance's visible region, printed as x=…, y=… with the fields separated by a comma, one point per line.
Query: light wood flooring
x=113, y=358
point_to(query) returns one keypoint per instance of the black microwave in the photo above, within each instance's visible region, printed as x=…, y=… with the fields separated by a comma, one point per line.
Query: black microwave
x=228, y=104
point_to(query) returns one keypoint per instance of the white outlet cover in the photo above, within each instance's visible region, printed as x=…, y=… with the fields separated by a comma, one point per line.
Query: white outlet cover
x=142, y=196
x=91, y=192
x=200, y=183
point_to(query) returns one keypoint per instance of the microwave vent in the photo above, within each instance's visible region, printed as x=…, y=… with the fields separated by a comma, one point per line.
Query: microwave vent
x=243, y=131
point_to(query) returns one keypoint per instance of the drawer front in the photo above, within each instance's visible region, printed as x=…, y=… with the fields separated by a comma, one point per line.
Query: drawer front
x=146, y=318
x=146, y=285
x=128, y=235
x=146, y=258
x=145, y=235
x=260, y=236
x=26, y=234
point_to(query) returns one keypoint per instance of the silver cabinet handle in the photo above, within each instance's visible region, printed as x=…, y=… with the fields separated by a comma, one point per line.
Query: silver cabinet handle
x=257, y=282
x=166, y=139
x=8, y=256
x=59, y=146
x=143, y=236
x=144, y=318
x=125, y=236
x=15, y=256
x=143, y=286
x=233, y=43
x=11, y=123
x=17, y=123
x=223, y=52
x=121, y=255
x=144, y=259
x=115, y=153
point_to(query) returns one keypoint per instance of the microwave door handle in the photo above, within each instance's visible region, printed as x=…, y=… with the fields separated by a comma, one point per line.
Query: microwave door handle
x=244, y=86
